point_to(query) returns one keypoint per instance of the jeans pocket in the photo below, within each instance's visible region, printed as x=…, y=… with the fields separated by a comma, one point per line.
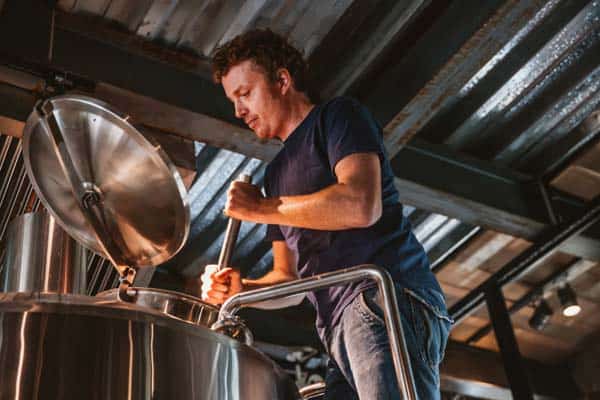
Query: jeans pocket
x=431, y=331
x=368, y=309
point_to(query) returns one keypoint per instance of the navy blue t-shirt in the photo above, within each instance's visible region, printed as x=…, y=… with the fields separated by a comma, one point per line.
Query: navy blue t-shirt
x=306, y=164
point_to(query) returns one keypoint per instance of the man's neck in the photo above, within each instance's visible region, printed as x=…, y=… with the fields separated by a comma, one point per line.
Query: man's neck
x=297, y=111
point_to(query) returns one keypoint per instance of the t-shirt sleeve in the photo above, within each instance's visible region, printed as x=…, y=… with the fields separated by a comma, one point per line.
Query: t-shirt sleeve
x=349, y=129
x=273, y=234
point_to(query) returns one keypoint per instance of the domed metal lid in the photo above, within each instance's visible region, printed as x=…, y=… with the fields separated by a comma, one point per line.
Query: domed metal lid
x=109, y=187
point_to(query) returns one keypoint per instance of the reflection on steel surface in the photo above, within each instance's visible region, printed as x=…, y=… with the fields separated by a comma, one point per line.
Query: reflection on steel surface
x=177, y=305
x=75, y=347
x=129, y=178
x=40, y=256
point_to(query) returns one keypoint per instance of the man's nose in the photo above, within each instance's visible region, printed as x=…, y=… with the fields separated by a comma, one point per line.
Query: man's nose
x=240, y=110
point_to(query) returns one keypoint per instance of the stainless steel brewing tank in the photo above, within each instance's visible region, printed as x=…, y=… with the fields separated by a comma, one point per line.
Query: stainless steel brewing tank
x=177, y=305
x=76, y=347
x=40, y=256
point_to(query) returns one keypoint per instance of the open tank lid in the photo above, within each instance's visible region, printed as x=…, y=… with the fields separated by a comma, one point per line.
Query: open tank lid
x=76, y=146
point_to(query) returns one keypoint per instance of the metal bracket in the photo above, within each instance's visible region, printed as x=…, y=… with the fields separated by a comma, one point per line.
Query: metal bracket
x=125, y=282
x=234, y=327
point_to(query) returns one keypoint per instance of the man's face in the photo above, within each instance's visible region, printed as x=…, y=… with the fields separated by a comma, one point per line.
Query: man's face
x=256, y=99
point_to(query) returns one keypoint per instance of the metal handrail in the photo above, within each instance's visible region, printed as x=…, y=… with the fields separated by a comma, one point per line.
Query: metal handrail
x=360, y=272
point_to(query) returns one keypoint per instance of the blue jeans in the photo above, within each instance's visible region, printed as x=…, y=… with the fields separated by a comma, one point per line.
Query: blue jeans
x=360, y=365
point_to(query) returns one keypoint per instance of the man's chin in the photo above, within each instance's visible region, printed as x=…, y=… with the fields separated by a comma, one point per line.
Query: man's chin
x=262, y=136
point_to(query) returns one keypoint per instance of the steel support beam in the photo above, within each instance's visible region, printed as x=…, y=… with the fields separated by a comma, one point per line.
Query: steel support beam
x=428, y=176
x=147, y=76
x=435, y=179
x=548, y=242
x=174, y=97
x=15, y=103
x=451, y=245
x=507, y=342
x=403, y=79
x=566, y=274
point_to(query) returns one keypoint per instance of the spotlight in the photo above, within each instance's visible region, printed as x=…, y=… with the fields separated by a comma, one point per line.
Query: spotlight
x=540, y=316
x=568, y=301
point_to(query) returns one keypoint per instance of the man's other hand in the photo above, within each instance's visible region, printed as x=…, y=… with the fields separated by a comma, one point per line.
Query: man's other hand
x=218, y=286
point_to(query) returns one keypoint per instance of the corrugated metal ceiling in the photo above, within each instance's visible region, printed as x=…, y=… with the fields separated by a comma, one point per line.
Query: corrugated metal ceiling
x=522, y=91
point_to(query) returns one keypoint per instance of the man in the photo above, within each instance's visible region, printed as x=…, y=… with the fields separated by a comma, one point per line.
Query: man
x=330, y=203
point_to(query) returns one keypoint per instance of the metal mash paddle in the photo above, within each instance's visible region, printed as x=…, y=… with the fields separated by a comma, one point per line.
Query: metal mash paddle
x=231, y=233
x=235, y=327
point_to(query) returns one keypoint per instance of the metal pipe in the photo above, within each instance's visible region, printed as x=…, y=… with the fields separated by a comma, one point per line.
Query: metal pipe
x=13, y=202
x=6, y=142
x=438, y=263
x=360, y=272
x=589, y=133
x=550, y=240
x=12, y=167
x=231, y=234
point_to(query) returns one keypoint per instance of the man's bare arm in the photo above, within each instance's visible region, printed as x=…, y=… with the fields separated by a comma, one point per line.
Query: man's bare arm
x=284, y=270
x=353, y=202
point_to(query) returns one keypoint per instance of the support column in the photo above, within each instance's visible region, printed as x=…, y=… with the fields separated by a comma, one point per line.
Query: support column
x=505, y=336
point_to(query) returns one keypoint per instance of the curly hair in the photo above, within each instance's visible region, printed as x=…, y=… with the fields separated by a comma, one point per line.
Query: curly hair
x=266, y=49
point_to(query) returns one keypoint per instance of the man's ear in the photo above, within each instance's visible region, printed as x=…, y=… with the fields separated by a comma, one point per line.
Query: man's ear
x=284, y=80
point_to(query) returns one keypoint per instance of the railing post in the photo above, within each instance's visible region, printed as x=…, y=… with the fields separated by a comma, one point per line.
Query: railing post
x=360, y=272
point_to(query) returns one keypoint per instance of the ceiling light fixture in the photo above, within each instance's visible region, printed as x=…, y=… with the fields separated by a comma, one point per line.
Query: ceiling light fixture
x=568, y=301
x=540, y=316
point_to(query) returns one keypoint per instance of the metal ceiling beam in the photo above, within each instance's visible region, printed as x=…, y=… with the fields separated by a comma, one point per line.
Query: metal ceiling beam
x=435, y=179
x=428, y=176
x=549, y=241
x=11, y=127
x=188, y=124
x=466, y=68
x=15, y=103
x=530, y=24
x=451, y=245
x=358, y=38
x=177, y=99
x=159, y=87
x=563, y=275
x=438, y=180
x=549, y=161
x=407, y=67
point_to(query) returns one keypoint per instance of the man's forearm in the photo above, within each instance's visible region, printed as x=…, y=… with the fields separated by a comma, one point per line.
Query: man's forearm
x=336, y=207
x=269, y=279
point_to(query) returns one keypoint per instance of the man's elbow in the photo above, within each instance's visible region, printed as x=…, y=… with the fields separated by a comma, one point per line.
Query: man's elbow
x=367, y=214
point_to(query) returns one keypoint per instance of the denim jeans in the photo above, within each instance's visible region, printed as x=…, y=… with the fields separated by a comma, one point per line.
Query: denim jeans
x=360, y=365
